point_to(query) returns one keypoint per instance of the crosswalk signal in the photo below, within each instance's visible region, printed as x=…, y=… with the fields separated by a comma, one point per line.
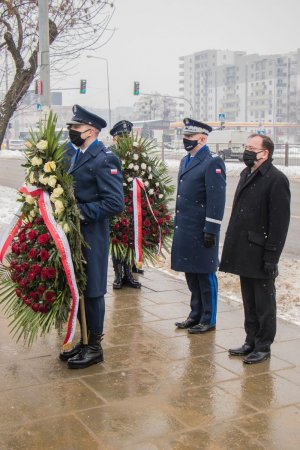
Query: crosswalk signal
x=82, y=86
x=136, y=88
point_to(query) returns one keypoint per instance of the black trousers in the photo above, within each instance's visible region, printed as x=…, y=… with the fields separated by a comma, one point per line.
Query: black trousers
x=94, y=311
x=204, y=290
x=259, y=299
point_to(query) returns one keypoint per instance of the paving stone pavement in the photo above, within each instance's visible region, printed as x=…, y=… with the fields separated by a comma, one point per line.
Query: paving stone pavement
x=159, y=388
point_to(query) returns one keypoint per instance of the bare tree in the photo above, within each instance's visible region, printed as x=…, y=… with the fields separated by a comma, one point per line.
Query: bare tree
x=74, y=26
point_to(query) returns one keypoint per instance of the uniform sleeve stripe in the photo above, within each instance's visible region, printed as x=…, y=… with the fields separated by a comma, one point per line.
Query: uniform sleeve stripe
x=209, y=219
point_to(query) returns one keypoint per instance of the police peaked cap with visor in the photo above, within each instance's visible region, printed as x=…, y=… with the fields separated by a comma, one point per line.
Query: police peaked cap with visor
x=192, y=126
x=82, y=116
x=122, y=127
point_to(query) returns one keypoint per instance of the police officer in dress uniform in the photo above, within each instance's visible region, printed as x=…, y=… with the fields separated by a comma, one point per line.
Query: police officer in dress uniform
x=123, y=270
x=99, y=194
x=253, y=244
x=199, y=211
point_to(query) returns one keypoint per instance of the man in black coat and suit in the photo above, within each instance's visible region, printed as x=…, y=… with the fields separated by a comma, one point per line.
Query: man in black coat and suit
x=199, y=211
x=253, y=244
x=99, y=194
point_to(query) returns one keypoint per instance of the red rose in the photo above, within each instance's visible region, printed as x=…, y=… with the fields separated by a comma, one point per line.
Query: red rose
x=116, y=226
x=44, y=254
x=144, y=212
x=36, y=268
x=34, y=295
x=124, y=222
x=44, y=273
x=161, y=221
x=168, y=217
x=27, y=302
x=124, y=238
x=35, y=307
x=50, y=296
x=39, y=220
x=114, y=241
x=33, y=253
x=126, y=199
x=162, y=208
x=15, y=248
x=41, y=289
x=145, y=232
x=51, y=273
x=147, y=223
x=165, y=232
x=144, y=204
x=43, y=309
x=131, y=245
x=13, y=263
x=43, y=239
x=23, y=247
x=28, y=225
x=18, y=293
x=23, y=282
x=31, y=276
x=156, y=213
x=22, y=236
x=129, y=209
x=25, y=266
x=15, y=278
x=32, y=235
x=18, y=268
x=151, y=200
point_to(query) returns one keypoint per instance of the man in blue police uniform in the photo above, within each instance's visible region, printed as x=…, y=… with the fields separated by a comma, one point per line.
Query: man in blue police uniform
x=99, y=194
x=122, y=269
x=199, y=211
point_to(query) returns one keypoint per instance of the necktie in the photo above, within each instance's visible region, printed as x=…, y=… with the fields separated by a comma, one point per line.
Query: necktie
x=79, y=156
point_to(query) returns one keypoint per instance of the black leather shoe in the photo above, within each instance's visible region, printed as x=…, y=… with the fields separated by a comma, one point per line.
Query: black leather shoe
x=64, y=356
x=201, y=328
x=256, y=357
x=89, y=354
x=188, y=323
x=244, y=350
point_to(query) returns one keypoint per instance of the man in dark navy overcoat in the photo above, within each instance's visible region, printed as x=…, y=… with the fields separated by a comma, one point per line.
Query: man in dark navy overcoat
x=199, y=211
x=99, y=194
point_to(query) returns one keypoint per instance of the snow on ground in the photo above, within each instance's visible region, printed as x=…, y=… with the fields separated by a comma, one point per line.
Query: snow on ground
x=11, y=154
x=8, y=204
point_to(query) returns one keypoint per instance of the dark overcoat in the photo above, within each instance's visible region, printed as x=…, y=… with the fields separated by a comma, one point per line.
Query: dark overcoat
x=99, y=194
x=199, y=208
x=69, y=152
x=259, y=222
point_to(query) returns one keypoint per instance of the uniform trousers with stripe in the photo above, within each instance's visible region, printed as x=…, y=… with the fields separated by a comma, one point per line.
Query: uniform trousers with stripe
x=204, y=290
x=259, y=300
x=94, y=311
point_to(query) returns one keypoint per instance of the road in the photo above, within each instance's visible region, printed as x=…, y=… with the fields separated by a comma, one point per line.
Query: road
x=12, y=175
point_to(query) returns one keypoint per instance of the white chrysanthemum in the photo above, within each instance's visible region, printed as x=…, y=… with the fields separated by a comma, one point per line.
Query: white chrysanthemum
x=129, y=179
x=135, y=156
x=156, y=184
x=160, y=196
x=50, y=166
x=28, y=144
x=52, y=181
x=143, y=166
x=150, y=176
x=43, y=180
x=32, y=213
x=58, y=191
x=59, y=207
x=149, y=168
x=30, y=200
x=151, y=192
x=42, y=145
x=136, y=167
x=31, y=178
x=130, y=166
x=36, y=161
x=66, y=228
x=146, y=183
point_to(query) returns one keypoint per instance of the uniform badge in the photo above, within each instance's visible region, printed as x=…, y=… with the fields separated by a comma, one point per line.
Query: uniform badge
x=113, y=171
x=218, y=171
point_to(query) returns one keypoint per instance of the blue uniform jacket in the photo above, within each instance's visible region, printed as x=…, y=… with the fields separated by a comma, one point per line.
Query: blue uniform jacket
x=69, y=152
x=99, y=194
x=199, y=208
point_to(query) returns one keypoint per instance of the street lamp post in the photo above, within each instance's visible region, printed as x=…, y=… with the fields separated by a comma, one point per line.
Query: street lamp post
x=108, y=91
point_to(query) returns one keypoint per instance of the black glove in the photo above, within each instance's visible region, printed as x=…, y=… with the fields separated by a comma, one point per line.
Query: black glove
x=271, y=269
x=209, y=240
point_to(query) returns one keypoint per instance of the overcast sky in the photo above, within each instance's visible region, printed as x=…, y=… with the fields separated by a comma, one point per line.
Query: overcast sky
x=152, y=34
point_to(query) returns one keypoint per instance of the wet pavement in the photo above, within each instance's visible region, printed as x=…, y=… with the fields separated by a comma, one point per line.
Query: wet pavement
x=158, y=389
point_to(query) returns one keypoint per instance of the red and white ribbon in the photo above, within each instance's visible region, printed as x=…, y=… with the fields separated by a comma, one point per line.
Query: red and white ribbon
x=61, y=243
x=138, y=186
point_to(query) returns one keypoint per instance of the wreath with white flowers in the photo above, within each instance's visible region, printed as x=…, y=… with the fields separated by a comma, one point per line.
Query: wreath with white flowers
x=139, y=160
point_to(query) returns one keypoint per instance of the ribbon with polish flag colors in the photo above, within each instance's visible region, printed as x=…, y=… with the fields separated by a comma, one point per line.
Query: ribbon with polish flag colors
x=138, y=187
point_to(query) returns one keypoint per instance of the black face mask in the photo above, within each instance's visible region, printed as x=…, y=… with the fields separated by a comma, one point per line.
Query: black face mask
x=75, y=137
x=249, y=157
x=189, y=145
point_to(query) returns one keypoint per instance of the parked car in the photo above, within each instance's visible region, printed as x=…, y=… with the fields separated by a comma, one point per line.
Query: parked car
x=16, y=144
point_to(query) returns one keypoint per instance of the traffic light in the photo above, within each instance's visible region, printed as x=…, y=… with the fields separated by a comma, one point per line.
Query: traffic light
x=82, y=86
x=38, y=88
x=136, y=88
